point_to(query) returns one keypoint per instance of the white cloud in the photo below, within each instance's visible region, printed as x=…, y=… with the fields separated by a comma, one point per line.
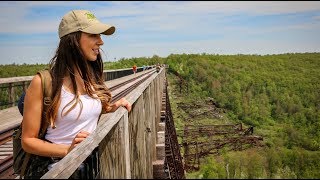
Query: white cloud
x=157, y=15
x=316, y=18
x=165, y=27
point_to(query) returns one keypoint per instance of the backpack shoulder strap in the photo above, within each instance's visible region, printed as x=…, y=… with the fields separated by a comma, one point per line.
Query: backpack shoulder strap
x=46, y=81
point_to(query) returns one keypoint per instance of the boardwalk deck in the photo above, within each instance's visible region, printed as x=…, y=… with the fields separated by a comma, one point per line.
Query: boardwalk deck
x=10, y=117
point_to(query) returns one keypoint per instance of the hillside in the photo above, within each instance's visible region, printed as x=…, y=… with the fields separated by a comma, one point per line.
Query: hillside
x=276, y=94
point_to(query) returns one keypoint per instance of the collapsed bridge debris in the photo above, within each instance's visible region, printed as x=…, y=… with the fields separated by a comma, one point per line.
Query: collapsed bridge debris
x=200, y=141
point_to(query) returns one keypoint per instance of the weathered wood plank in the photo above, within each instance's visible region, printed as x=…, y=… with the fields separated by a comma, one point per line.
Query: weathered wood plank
x=150, y=128
x=160, y=151
x=161, y=137
x=117, y=81
x=158, y=172
x=152, y=118
x=126, y=145
x=162, y=126
x=137, y=130
x=112, y=155
x=9, y=117
x=29, y=78
x=15, y=79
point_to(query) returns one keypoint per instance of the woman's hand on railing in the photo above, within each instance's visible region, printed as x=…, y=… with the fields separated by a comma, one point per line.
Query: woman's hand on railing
x=78, y=139
x=122, y=102
x=125, y=104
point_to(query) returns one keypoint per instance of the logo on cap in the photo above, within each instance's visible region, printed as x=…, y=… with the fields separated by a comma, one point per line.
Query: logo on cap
x=90, y=16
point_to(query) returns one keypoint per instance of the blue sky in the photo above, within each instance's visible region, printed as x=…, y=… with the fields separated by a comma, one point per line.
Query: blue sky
x=29, y=29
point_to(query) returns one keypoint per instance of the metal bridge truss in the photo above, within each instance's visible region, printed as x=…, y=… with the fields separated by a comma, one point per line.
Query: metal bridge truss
x=173, y=161
x=200, y=141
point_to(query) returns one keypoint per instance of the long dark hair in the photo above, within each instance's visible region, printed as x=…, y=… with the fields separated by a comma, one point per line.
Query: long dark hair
x=67, y=58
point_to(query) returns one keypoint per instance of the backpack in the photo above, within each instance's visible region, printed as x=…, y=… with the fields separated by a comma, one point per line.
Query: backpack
x=20, y=157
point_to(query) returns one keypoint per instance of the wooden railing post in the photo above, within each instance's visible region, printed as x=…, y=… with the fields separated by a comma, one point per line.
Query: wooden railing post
x=24, y=85
x=11, y=94
x=126, y=145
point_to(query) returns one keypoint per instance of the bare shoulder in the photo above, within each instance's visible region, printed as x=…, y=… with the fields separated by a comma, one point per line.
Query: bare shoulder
x=36, y=79
x=35, y=85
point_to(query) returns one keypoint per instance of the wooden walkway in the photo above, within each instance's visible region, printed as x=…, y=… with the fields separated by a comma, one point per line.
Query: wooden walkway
x=11, y=116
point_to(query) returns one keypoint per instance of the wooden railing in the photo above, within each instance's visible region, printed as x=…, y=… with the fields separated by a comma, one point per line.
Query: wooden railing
x=12, y=88
x=126, y=142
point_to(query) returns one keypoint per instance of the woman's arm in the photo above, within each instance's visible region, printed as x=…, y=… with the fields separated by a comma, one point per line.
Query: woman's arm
x=33, y=106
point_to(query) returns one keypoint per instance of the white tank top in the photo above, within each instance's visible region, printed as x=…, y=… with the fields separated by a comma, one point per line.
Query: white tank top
x=68, y=126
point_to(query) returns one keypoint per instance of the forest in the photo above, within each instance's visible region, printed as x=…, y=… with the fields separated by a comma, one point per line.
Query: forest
x=278, y=95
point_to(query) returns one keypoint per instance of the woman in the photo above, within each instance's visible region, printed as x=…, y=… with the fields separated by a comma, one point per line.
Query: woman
x=79, y=94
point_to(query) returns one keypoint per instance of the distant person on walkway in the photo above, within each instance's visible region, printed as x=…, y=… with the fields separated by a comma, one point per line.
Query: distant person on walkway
x=134, y=69
x=158, y=67
x=79, y=94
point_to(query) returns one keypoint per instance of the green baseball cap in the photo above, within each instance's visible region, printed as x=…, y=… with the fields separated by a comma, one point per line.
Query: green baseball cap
x=85, y=21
